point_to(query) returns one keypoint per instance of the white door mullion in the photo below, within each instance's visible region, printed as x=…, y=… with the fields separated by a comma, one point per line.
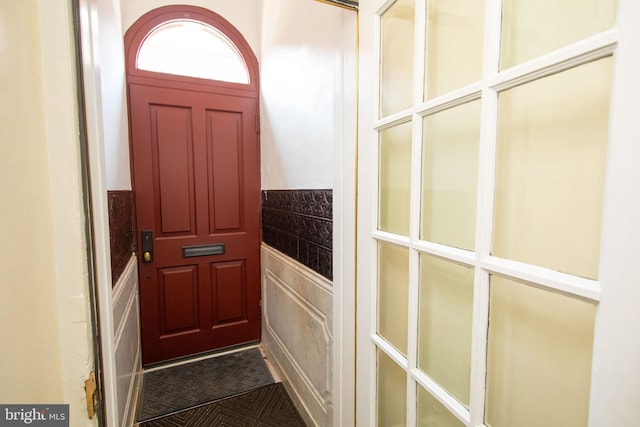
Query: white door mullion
x=393, y=120
x=590, y=49
x=484, y=216
x=492, y=31
x=484, y=223
x=396, y=239
x=441, y=395
x=479, y=332
x=414, y=218
x=451, y=99
x=414, y=227
x=544, y=278
x=414, y=267
x=419, y=51
x=461, y=256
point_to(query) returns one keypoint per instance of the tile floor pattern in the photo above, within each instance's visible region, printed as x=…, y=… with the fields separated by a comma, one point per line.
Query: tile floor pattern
x=176, y=388
x=268, y=406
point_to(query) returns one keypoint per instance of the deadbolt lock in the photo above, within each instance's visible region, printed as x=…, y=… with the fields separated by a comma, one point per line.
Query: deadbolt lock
x=147, y=246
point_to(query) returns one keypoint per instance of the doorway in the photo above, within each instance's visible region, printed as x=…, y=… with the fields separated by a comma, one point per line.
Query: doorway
x=192, y=84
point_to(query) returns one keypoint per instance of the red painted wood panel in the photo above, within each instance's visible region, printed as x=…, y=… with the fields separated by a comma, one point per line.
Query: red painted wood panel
x=229, y=283
x=224, y=141
x=196, y=177
x=172, y=143
x=178, y=288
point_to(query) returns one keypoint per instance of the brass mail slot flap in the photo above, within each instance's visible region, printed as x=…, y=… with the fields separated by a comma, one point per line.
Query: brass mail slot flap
x=202, y=250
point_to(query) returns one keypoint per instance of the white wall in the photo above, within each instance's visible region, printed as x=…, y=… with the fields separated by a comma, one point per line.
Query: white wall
x=301, y=61
x=114, y=106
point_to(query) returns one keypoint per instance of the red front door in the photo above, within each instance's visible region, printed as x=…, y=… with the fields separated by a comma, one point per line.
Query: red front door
x=197, y=193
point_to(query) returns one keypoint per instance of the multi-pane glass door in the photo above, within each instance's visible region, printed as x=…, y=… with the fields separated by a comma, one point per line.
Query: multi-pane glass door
x=485, y=185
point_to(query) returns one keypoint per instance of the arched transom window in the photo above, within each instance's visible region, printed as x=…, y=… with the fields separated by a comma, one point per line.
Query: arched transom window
x=193, y=49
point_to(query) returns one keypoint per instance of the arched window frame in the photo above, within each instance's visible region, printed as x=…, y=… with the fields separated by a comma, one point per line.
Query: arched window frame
x=138, y=32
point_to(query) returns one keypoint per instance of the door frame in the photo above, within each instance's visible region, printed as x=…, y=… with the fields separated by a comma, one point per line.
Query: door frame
x=615, y=355
x=90, y=63
x=345, y=211
x=344, y=230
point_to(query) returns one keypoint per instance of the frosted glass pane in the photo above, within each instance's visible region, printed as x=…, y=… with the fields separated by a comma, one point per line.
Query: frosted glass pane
x=431, y=413
x=395, y=178
x=396, y=63
x=393, y=294
x=193, y=49
x=534, y=27
x=392, y=393
x=450, y=176
x=444, y=329
x=539, y=357
x=552, y=143
x=454, y=31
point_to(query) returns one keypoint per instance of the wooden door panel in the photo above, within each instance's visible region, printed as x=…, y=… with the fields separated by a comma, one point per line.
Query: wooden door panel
x=197, y=182
x=228, y=280
x=224, y=143
x=195, y=159
x=172, y=157
x=178, y=302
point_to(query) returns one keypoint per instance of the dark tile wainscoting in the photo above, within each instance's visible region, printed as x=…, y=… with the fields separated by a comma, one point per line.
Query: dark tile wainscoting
x=299, y=223
x=121, y=230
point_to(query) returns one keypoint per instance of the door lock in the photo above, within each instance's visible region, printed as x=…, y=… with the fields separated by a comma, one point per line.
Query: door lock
x=147, y=246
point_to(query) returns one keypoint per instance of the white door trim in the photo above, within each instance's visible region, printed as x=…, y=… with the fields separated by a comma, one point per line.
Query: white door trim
x=344, y=228
x=615, y=383
x=101, y=251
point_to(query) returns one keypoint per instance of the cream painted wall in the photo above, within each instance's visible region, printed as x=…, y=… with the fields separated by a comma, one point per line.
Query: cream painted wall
x=301, y=62
x=31, y=358
x=44, y=311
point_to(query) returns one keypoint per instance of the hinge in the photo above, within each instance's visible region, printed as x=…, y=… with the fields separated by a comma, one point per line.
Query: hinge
x=257, y=123
x=91, y=393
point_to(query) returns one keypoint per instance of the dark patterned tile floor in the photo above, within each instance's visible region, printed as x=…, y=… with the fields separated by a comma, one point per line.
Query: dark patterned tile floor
x=268, y=406
x=216, y=381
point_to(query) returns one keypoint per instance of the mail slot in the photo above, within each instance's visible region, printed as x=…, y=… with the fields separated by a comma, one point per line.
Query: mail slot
x=202, y=250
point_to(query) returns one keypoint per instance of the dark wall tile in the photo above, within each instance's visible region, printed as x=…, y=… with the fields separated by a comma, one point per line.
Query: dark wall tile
x=299, y=223
x=121, y=230
x=325, y=263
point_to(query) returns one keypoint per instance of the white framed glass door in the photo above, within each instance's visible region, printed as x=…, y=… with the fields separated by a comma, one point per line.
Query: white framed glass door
x=493, y=140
